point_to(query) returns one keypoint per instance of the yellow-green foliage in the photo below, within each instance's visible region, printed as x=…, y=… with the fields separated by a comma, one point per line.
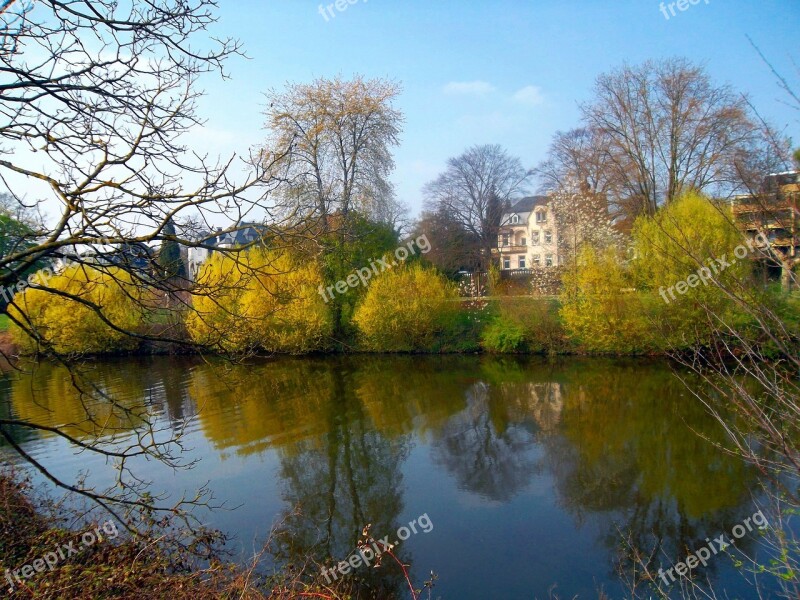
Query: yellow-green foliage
x=405, y=309
x=70, y=326
x=260, y=299
x=599, y=309
x=611, y=306
x=683, y=237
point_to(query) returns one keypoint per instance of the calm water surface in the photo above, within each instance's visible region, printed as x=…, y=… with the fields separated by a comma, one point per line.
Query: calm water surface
x=528, y=469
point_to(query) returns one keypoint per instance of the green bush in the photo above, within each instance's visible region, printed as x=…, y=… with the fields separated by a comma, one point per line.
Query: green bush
x=525, y=324
x=460, y=331
x=504, y=336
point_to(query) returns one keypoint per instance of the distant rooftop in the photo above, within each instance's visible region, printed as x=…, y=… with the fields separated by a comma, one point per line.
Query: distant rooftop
x=245, y=234
x=527, y=204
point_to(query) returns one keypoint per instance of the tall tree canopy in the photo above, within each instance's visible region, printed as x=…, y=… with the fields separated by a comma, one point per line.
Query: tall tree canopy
x=653, y=132
x=330, y=144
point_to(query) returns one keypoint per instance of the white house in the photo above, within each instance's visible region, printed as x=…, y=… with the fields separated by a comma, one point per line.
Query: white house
x=528, y=236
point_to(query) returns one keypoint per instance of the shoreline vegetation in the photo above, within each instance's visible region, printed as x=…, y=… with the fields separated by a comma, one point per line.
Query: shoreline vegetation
x=265, y=300
x=166, y=561
x=509, y=325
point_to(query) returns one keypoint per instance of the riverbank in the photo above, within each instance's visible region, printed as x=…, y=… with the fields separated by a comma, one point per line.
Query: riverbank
x=43, y=557
x=30, y=530
x=633, y=324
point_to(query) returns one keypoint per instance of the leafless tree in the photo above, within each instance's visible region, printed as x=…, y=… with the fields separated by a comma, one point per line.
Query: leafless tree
x=653, y=132
x=395, y=214
x=575, y=156
x=94, y=98
x=475, y=190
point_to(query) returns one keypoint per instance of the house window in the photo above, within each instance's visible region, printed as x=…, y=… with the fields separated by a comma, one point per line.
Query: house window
x=548, y=260
x=548, y=237
x=541, y=216
x=537, y=260
x=524, y=242
x=506, y=263
x=505, y=240
x=521, y=262
x=514, y=219
x=535, y=238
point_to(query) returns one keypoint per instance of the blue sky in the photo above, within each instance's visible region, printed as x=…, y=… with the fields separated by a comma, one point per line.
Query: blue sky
x=510, y=72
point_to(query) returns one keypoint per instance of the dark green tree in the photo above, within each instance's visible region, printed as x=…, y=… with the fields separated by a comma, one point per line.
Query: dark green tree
x=354, y=245
x=169, y=256
x=16, y=236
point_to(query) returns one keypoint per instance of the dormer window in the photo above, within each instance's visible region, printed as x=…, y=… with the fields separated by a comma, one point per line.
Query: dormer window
x=514, y=220
x=541, y=216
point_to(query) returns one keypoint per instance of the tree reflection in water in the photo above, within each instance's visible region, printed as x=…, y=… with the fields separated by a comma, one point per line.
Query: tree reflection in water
x=620, y=443
x=493, y=462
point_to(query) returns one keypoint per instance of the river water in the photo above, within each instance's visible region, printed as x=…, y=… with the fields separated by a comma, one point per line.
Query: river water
x=528, y=473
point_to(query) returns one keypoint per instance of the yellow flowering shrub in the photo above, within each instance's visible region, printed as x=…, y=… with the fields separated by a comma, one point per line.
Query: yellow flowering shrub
x=69, y=325
x=405, y=309
x=598, y=307
x=260, y=299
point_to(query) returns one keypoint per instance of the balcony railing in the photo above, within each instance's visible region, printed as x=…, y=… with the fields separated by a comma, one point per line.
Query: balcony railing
x=513, y=248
